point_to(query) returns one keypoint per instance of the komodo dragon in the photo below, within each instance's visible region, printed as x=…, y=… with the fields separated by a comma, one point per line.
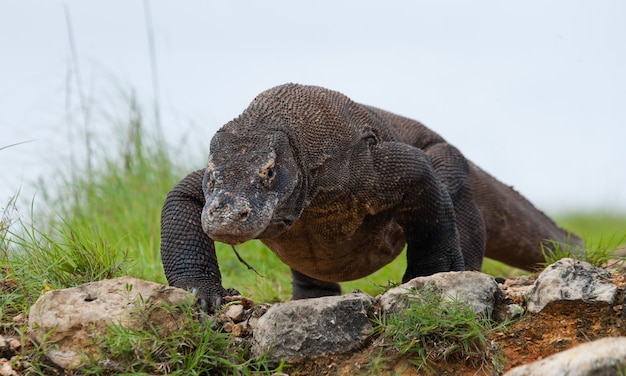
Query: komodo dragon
x=336, y=189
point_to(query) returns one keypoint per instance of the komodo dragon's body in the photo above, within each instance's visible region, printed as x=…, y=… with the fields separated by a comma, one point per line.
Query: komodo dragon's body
x=336, y=189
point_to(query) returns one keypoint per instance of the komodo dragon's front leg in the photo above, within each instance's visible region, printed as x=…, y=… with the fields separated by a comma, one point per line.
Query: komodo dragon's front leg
x=425, y=210
x=453, y=170
x=188, y=254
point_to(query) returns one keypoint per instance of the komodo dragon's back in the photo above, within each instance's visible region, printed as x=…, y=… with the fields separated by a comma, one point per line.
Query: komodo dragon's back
x=336, y=189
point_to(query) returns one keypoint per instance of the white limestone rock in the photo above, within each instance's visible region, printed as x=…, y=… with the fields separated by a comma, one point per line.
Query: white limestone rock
x=73, y=320
x=569, y=279
x=477, y=289
x=606, y=356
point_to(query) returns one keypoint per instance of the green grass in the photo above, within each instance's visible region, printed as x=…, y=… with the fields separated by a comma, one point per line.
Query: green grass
x=101, y=219
x=272, y=286
x=602, y=231
x=600, y=226
x=117, y=198
x=604, y=235
x=193, y=349
x=433, y=329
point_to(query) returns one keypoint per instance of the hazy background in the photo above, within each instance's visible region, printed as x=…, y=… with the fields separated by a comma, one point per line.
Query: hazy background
x=532, y=91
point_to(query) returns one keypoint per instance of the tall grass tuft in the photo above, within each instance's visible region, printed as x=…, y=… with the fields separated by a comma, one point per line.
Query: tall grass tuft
x=10, y=299
x=67, y=257
x=117, y=198
x=5, y=224
x=433, y=329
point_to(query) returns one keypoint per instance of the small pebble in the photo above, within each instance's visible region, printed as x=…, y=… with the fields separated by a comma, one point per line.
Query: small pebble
x=228, y=327
x=235, y=312
x=6, y=369
x=240, y=330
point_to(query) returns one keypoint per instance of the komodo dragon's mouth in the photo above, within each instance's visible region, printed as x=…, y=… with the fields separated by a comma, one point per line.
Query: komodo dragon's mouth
x=228, y=231
x=230, y=238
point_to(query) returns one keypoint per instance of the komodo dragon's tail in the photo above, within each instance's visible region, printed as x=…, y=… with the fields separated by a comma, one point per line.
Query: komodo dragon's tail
x=515, y=228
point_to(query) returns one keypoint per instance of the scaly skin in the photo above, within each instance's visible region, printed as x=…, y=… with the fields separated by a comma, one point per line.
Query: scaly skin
x=336, y=189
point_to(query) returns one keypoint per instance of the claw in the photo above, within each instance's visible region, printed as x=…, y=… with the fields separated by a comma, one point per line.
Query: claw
x=203, y=305
x=200, y=301
x=232, y=292
x=211, y=303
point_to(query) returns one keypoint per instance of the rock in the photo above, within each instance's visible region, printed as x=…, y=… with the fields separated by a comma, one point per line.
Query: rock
x=9, y=346
x=71, y=320
x=569, y=279
x=255, y=314
x=240, y=330
x=518, y=288
x=477, y=289
x=246, y=302
x=235, y=312
x=6, y=369
x=312, y=328
x=606, y=356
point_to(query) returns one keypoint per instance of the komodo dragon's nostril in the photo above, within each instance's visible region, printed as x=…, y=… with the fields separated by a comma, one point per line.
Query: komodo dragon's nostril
x=213, y=209
x=211, y=213
x=244, y=214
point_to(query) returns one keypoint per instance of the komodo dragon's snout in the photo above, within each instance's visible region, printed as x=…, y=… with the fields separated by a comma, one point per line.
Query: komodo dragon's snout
x=226, y=218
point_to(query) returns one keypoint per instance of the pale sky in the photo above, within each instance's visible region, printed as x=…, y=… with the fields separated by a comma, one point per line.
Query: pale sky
x=532, y=91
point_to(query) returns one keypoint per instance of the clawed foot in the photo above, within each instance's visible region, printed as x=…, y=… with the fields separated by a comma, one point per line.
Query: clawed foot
x=211, y=302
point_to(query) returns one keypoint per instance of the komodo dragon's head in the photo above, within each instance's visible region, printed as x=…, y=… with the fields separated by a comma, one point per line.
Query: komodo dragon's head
x=250, y=186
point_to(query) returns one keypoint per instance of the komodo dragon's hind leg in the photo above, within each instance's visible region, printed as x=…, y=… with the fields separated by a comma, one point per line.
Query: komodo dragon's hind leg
x=452, y=169
x=305, y=287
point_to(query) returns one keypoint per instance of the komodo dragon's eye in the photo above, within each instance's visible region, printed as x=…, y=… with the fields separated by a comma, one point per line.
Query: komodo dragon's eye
x=208, y=181
x=268, y=173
